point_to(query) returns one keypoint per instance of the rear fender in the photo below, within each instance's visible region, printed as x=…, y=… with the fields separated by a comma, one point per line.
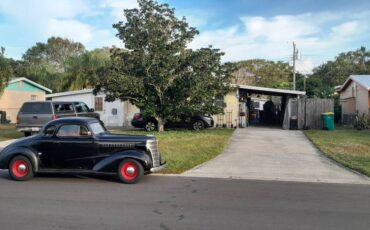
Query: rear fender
x=9, y=154
x=111, y=163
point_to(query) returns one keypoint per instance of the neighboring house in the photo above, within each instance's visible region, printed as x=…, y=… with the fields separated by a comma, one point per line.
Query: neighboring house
x=355, y=97
x=19, y=91
x=113, y=114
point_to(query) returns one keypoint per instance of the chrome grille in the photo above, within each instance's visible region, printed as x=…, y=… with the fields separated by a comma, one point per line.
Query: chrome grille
x=152, y=146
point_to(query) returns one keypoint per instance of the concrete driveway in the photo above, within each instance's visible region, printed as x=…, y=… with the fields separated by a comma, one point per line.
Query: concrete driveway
x=275, y=154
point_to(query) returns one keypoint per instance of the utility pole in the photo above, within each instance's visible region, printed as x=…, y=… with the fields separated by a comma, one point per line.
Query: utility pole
x=294, y=59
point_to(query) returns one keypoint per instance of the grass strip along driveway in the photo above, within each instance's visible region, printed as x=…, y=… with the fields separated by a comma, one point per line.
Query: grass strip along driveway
x=184, y=149
x=348, y=147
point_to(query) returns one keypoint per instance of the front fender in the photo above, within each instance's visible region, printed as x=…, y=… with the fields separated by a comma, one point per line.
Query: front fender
x=109, y=164
x=8, y=154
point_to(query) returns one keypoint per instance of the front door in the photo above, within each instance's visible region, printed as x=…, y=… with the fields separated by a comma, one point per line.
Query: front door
x=47, y=148
x=76, y=148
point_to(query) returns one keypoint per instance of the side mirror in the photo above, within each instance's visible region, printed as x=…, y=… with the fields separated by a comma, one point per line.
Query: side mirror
x=89, y=134
x=92, y=110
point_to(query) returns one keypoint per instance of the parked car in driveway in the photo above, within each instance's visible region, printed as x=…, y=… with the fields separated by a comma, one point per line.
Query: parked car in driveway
x=81, y=146
x=149, y=123
x=33, y=115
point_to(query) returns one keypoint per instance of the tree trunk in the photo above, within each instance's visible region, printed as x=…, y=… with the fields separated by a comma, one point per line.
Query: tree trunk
x=160, y=125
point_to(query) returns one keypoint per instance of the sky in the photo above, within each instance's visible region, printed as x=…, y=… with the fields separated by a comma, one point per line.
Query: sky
x=243, y=29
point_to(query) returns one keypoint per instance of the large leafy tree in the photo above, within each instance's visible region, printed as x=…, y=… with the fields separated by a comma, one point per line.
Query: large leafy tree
x=81, y=71
x=157, y=72
x=264, y=73
x=56, y=51
x=46, y=63
x=333, y=73
x=315, y=87
x=5, y=70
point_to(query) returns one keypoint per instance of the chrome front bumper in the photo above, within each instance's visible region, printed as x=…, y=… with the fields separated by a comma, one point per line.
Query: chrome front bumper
x=29, y=129
x=157, y=169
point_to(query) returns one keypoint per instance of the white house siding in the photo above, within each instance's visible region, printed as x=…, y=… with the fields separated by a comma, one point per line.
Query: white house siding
x=106, y=115
x=109, y=117
x=86, y=98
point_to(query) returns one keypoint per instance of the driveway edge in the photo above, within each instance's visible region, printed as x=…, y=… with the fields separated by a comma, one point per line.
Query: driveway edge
x=333, y=160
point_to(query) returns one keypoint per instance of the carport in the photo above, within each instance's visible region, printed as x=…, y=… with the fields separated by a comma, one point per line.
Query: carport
x=274, y=110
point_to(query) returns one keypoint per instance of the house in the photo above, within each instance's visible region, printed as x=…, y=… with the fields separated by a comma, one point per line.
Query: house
x=355, y=97
x=114, y=114
x=17, y=92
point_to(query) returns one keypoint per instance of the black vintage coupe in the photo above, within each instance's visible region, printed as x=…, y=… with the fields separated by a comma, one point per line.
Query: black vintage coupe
x=81, y=146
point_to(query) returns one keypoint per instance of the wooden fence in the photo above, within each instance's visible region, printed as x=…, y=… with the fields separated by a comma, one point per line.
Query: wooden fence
x=307, y=111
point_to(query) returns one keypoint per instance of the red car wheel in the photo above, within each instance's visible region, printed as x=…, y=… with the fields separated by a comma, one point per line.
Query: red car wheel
x=20, y=168
x=130, y=171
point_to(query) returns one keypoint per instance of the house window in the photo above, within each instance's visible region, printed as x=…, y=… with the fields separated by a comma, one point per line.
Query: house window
x=33, y=97
x=98, y=103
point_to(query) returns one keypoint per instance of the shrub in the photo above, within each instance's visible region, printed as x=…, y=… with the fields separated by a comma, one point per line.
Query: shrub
x=361, y=122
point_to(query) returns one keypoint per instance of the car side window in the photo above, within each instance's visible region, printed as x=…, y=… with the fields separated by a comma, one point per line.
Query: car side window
x=78, y=107
x=49, y=131
x=63, y=108
x=73, y=131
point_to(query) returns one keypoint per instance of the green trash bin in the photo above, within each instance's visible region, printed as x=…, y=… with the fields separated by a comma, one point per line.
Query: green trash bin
x=328, y=120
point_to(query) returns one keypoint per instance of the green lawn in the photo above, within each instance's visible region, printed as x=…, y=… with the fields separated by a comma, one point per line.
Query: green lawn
x=347, y=146
x=183, y=150
x=9, y=132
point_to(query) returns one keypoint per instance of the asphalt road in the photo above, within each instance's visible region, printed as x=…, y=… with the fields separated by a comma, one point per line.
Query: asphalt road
x=160, y=202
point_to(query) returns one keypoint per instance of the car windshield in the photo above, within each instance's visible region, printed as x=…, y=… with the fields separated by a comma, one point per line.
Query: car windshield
x=81, y=107
x=97, y=128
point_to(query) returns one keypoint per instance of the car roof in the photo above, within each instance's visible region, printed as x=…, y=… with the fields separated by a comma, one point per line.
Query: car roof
x=53, y=102
x=73, y=120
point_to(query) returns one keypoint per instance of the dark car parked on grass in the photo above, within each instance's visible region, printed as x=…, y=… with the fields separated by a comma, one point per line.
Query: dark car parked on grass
x=197, y=122
x=81, y=146
x=33, y=115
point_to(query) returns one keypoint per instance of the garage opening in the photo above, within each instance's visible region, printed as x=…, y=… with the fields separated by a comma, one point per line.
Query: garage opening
x=260, y=106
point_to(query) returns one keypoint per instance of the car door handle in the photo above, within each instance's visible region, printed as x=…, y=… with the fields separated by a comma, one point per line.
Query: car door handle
x=34, y=117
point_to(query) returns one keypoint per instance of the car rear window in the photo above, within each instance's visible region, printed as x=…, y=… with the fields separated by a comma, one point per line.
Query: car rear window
x=36, y=108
